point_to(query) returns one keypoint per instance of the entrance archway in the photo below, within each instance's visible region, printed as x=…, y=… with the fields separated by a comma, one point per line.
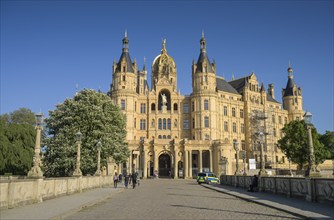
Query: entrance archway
x=164, y=165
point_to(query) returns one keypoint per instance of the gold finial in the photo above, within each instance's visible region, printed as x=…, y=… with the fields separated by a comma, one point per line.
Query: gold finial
x=164, y=45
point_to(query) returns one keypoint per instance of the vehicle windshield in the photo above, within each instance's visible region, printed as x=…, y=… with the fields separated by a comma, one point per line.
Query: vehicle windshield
x=201, y=174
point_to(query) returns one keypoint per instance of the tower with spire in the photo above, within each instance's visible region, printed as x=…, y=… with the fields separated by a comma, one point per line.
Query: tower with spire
x=124, y=85
x=292, y=98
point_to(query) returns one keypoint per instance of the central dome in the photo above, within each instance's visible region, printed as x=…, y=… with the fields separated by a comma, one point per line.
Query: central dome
x=163, y=63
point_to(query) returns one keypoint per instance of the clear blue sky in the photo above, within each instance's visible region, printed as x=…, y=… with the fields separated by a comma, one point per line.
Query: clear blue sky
x=49, y=46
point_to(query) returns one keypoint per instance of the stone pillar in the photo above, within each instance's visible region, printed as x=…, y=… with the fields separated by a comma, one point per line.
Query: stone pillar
x=211, y=168
x=186, y=163
x=144, y=164
x=190, y=164
x=156, y=160
x=200, y=161
x=175, y=165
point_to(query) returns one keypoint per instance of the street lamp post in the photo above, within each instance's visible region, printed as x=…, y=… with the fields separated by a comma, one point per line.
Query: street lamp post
x=236, y=148
x=312, y=169
x=36, y=171
x=244, y=162
x=289, y=159
x=77, y=172
x=263, y=171
x=98, y=171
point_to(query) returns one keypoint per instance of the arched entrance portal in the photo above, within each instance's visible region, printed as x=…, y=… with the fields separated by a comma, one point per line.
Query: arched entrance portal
x=164, y=165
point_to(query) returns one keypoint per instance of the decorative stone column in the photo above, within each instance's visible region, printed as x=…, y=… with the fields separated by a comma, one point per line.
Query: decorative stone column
x=186, y=163
x=176, y=174
x=190, y=164
x=200, y=161
x=211, y=167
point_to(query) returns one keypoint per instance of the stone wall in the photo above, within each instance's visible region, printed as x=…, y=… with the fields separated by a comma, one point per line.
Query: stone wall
x=317, y=189
x=16, y=192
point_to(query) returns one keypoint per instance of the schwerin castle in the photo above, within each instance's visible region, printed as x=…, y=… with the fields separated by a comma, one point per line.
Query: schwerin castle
x=180, y=135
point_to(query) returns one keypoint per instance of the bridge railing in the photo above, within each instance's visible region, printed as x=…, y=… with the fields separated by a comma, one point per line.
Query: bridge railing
x=311, y=189
x=15, y=192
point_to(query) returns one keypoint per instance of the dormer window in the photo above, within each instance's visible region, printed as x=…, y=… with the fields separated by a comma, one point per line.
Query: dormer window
x=124, y=69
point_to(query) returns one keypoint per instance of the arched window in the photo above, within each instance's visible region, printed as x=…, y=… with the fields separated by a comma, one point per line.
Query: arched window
x=160, y=124
x=164, y=124
x=153, y=107
x=168, y=124
x=159, y=137
x=168, y=137
x=164, y=137
x=175, y=106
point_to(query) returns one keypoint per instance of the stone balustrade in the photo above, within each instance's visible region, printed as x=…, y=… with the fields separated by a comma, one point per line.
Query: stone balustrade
x=315, y=190
x=16, y=192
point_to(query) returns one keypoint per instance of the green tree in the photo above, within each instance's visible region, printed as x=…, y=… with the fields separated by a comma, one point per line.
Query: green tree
x=327, y=140
x=97, y=118
x=295, y=144
x=17, y=141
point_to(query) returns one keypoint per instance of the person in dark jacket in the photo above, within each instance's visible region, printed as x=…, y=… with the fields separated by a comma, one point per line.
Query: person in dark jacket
x=254, y=183
x=126, y=180
x=134, y=180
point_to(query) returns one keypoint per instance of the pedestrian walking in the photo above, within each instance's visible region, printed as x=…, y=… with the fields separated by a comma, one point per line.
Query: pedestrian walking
x=120, y=178
x=126, y=180
x=134, y=180
x=115, y=180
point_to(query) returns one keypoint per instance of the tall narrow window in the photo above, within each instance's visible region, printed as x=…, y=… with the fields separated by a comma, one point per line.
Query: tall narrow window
x=123, y=104
x=185, y=107
x=142, y=108
x=164, y=124
x=193, y=106
x=241, y=113
x=233, y=112
x=225, y=111
x=234, y=127
x=274, y=132
x=242, y=128
x=186, y=124
x=123, y=77
x=160, y=124
x=206, y=104
x=168, y=124
x=206, y=121
x=273, y=118
x=142, y=124
x=280, y=119
x=225, y=126
x=193, y=122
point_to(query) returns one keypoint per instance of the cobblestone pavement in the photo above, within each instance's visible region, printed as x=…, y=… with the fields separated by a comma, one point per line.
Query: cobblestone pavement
x=176, y=199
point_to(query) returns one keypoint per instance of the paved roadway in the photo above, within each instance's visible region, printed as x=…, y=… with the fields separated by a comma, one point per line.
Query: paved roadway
x=176, y=199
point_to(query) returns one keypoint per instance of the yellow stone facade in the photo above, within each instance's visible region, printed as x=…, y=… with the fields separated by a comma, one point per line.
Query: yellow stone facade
x=176, y=135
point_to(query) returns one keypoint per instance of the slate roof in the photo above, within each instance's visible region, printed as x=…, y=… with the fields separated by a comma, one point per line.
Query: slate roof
x=125, y=56
x=288, y=91
x=271, y=99
x=222, y=85
x=203, y=57
x=239, y=84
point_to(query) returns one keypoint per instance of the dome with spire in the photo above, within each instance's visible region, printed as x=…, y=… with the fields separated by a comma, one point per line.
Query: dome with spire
x=163, y=63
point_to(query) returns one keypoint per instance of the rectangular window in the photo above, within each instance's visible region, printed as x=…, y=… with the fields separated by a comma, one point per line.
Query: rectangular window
x=274, y=132
x=234, y=127
x=243, y=145
x=207, y=137
x=142, y=124
x=225, y=110
x=123, y=105
x=135, y=123
x=186, y=124
x=135, y=106
x=225, y=126
x=242, y=128
x=185, y=107
x=241, y=113
x=206, y=104
x=280, y=119
x=193, y=122
x=206, y=121
x=273, y=118
x=193, y=106
x=142, y=108
x=233, y=112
